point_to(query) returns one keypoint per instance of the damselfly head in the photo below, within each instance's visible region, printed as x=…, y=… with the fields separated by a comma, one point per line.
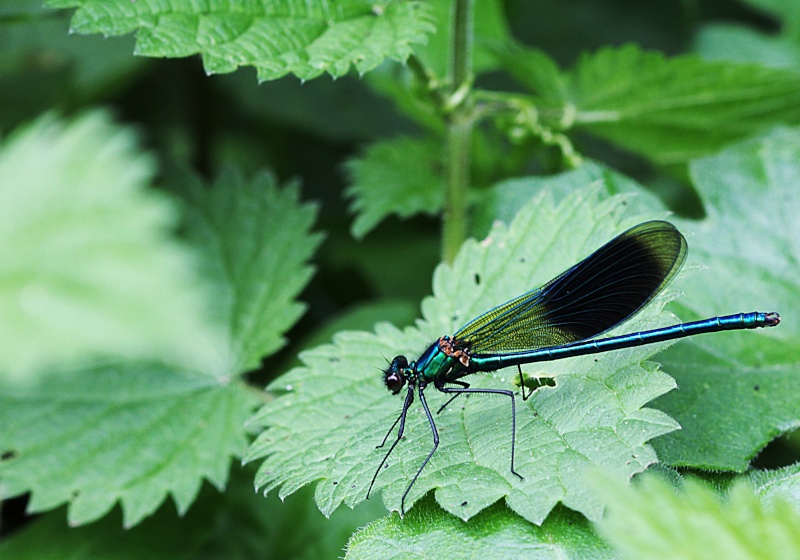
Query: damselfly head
x=394, y=376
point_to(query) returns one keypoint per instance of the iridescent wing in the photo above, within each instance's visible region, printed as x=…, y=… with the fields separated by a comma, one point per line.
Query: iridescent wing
x=600, y=292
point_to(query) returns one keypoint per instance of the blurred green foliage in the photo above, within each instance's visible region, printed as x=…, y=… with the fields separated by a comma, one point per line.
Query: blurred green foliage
x=629, y=93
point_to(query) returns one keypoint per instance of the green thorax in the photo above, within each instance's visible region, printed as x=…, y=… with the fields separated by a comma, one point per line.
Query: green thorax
x=444, y=360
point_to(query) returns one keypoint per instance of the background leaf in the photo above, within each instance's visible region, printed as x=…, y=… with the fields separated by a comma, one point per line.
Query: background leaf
x=534, y=69
x=737, y=392
x=743, y=44
x=124, y=432
x=256, y=239
x=780, y=484
x=651, y=520
x=332, y=413
x=137, y=432
x=430, y=533
x=504, y=200
x=45, y=68
x=237, y=524
x=306, y=130
x=399, y=176
x=301, y=38
x=674, y=109
x=89, y=269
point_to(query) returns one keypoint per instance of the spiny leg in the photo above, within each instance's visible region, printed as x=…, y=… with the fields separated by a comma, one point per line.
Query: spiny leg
x=402, y=412
x=428, y=458
x=522, y=384
x=402, y=420
x=454, y=397
x=513, y=413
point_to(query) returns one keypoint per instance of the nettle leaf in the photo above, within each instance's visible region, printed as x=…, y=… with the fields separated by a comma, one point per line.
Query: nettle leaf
x=428, y=532
x=125, y=432
x=725, y=41
x=739, y=391
x=277, y=38
x=88, y=268
x=257, y=240
x=133, y=432
x=675, y=109
x=651, y=520
x=780, y=484
x=504, y=199
x=235, y=525
x=399, y=176
x=333, y=411
x=534, y=69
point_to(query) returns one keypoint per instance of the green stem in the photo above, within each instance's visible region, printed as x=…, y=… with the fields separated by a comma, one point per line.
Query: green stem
x=454, y=224
x=459, y=133
x=461, y=53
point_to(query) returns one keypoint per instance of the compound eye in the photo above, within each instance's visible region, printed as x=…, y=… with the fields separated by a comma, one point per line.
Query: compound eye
x=394, y=382
x=394, y=377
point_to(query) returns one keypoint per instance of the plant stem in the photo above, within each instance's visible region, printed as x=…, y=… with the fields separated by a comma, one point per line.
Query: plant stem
x=454, y=224
x=459, y=133
x=461, y=53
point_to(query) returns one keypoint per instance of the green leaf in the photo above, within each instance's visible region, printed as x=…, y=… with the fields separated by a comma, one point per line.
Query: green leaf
x=675, y=109
x=780, y=484
x=132, y=432
x=236, y=524
x=88, y=268
x=332, y=412
x=430, y=533
x=742, y=44
x=738, y=391
x=45, y=68
x=256, y=240
x=504, y=200
x=534, y=69
x=297, y=37
x=401, y=176
x=124, y=432
x=651, y=520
